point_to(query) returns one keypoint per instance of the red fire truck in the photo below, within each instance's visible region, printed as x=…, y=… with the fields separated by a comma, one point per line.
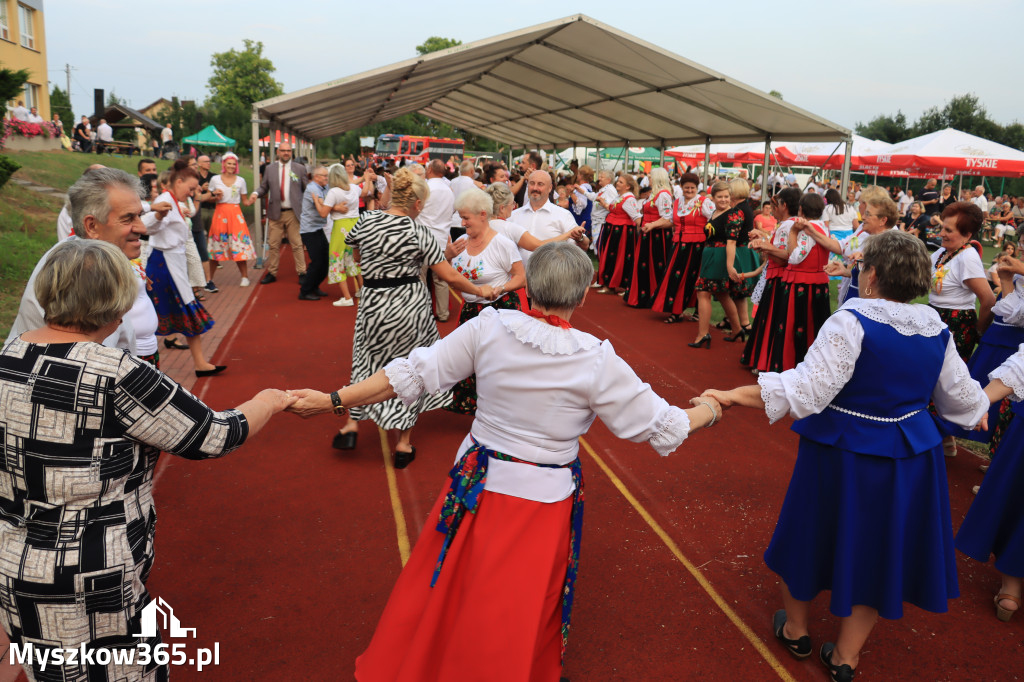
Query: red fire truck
x=418, y=148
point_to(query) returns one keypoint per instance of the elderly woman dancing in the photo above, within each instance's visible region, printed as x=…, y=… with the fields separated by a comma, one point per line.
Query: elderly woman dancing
x=488, y=258
x=75, y=558
x=394, y=315
x=867, y=513
x=508, y=566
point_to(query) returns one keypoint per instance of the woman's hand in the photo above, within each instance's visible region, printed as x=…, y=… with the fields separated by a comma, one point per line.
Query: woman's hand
x=309, y=403
x=709, y=402
x=834, y=268
x=277, y=399
x=733, y=275
x=486, y=291
x=723, y=398
x=983, y=424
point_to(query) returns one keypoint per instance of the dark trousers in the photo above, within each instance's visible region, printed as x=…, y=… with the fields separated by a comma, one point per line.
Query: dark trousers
x=316, y=271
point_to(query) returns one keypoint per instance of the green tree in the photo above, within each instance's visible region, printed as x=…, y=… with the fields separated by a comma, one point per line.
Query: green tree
x=239, y=78
x=962, y=112
x=12, y=83
x=436, y=44
x=889, y=129
x=60, y=104
x=775, y=93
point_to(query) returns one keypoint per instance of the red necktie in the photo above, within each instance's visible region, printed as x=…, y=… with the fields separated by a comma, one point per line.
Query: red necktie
x=282, y=181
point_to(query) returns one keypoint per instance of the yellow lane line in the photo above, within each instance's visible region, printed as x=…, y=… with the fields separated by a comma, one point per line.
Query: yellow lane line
x=456, y=295
x=396, y=501
x=697, y=575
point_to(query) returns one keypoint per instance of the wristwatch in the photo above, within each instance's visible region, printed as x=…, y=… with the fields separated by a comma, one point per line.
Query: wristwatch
x=339, y=409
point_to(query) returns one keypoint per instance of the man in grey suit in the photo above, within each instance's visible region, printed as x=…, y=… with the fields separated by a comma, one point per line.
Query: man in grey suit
x=283, y=184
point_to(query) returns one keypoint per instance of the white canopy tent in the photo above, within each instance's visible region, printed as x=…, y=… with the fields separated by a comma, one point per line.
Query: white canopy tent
x=565, y=83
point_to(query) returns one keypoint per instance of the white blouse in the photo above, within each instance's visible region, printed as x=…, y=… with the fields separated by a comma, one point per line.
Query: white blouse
x=948, y=288
x=511, y=231
x=1011, y=306
x=1011, y=373
x=630, y=205
x=170, y=233
x=707, y=207
x=230, y=194
x=811, y=386
x=663, y=202
x=609, y=194
x=491, y=266
x=805, y=242
x=349, y=197
x=539, y=388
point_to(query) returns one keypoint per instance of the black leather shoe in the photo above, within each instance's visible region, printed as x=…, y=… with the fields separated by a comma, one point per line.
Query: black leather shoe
x=800, y=647
x=308, y=297
x=210, y=372
x=321, y=293
x=268, y=279
x=345, y=441
x=404, y=459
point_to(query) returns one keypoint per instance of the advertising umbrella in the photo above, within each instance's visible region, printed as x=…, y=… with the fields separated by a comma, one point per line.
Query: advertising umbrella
x=952, y=151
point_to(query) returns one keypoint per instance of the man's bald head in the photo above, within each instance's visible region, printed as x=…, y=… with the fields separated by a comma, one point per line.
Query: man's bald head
x=538, y=188
x=435, y=169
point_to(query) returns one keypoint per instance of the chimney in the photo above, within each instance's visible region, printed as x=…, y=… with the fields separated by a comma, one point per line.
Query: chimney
x=99, y=102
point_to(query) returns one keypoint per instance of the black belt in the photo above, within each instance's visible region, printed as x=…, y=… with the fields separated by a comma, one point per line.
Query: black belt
x=389, y=282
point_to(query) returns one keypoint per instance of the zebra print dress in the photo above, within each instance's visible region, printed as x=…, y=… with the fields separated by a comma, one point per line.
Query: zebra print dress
x=392, y=322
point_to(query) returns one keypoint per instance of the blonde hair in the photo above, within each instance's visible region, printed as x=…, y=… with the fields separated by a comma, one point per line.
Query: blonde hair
x=873, y=193
x=85, y=285
x=660, y=181
x=631, y=181
x=407, y=188
x=720, y=186
x=337, y=176
x=739, y=189
x=500, y=194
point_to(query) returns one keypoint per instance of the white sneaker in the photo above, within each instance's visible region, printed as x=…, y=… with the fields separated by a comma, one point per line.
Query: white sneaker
x=343, y=303
x=244, y=282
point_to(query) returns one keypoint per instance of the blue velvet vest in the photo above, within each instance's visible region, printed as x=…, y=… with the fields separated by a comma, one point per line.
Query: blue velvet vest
x=894, y=376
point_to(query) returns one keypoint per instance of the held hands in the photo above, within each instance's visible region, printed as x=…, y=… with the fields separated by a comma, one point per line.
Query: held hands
x=1010, y=264
x=734, y=276
x=308, y=403
x=487, y=291
x=711, y=404
x=277, y=399
x=836, y=269
x=577, y=233
x=160, y=208
x=724, y=399
x=983, y=424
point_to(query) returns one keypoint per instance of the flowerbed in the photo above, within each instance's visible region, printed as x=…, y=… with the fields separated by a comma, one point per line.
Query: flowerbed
x=27, y=130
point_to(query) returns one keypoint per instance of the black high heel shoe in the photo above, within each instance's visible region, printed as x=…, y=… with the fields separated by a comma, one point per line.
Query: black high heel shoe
x=705, y=341
x=741, y=335
x=217, y=369
x=345, y=441
x=404, y=459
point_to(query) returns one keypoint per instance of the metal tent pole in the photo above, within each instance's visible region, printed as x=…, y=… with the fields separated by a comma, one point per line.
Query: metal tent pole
x=707, y=161
x=257, y=207
x=764, y=171
x=844, y=179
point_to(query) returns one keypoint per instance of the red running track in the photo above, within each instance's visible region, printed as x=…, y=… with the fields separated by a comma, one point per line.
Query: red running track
x=285, y=551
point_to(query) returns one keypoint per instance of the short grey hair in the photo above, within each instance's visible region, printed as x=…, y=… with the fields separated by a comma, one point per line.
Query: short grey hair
x=90, y=195
x=467, y=168
x=557, y=276
x=85, y=285
x=500, y=194
x=475, y=200
x=416, y=168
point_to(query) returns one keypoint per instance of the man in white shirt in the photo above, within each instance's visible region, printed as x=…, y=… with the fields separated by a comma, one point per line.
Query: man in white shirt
x=167, y=134
x=980, y=201
x=603, y=198
x=117, y=193
x=540, y=217
x=903, y=201
x=19, y=112
x=34, y=117
x=437, y=217
x=104, y=134
x=458, y=186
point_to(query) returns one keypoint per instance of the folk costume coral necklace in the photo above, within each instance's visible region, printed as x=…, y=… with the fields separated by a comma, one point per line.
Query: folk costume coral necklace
x=942, y=267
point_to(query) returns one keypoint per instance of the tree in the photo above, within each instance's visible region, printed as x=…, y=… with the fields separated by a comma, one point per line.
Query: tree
x=240, y=77
x=775, y=93
x=60, y=104
x=12, y=83
x=891, y=129
x=962, y=112
x=436, y=44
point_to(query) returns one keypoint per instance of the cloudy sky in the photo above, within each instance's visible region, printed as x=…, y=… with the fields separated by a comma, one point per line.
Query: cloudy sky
x=844, y=61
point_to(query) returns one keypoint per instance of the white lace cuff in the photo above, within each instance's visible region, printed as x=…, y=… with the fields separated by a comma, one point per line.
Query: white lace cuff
x=673, y=427
x=774, y=396
x=407, y=383
x=1011, y=373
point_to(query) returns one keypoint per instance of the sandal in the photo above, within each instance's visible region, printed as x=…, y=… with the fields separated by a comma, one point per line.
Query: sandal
x=724, y=324
x=672, y=319
x=799, y=647
x=837, y=673
x=1006, y=614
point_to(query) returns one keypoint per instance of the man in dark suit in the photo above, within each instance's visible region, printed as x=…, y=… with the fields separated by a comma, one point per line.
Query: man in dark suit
x=283, y=184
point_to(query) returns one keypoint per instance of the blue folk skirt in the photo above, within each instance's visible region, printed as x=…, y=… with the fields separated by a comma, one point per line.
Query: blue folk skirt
x=875, y=531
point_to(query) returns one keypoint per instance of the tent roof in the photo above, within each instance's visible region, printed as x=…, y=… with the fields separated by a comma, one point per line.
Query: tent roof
x=115, y=113
x=209, y=137
x=574, y=81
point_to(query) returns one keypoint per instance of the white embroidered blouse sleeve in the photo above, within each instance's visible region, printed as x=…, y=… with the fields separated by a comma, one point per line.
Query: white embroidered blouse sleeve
x=631, y=409
x=1011, y=306
x=435, y=368
x=959, y=398
x=804, y=244
x=1011, y=373
x=809, y=387
x=631, y=207
x=664, y=204
x=707, y=208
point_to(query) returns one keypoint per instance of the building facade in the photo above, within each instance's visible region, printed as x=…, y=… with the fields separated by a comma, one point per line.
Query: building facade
x=23, y=46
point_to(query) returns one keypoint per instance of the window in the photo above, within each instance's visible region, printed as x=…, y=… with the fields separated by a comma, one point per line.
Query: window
x=31, y=95
x=28, y=33
x=5, y=32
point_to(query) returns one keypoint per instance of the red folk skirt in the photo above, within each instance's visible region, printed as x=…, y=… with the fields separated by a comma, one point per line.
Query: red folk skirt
x=496, y=610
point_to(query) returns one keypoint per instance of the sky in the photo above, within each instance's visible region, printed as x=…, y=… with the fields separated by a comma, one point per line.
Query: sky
x=846, y=62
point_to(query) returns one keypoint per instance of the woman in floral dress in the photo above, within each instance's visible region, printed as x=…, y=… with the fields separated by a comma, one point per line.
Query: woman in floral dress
x=229, y=235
